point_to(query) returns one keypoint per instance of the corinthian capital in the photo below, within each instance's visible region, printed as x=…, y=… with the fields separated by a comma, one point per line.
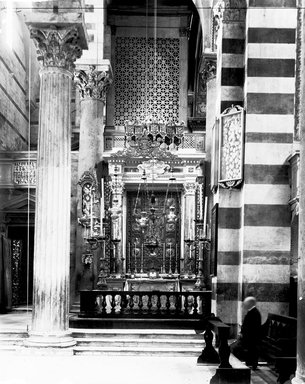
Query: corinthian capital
x=57, y=47
x=92, y=83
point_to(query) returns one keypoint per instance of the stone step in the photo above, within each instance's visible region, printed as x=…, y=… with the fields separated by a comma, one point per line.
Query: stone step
x=137, y=351
x=11, y=341
x=135, y=342
x=12, y=335
x=139, y=334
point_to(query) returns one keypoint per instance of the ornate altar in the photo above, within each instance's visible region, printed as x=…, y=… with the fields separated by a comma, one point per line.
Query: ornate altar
x=145, y=220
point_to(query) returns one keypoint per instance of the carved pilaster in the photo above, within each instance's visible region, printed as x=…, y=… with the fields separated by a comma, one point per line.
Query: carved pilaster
x=57, y=47
x=92, y=83
x=117, y=187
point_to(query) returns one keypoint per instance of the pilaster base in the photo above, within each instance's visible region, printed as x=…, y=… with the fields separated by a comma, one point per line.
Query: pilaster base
x=43, y=340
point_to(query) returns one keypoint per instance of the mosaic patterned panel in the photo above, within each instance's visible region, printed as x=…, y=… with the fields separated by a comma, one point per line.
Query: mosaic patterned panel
x=145, y=85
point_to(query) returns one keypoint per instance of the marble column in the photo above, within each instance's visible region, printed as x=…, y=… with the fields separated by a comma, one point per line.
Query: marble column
x=92, y=83
x=300, y=372
x=57, y=48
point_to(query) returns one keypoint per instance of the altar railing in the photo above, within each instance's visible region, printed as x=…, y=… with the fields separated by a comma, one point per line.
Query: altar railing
x=145, y=304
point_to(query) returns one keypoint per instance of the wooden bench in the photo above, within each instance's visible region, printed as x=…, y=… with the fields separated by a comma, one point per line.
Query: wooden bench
x=278, y=346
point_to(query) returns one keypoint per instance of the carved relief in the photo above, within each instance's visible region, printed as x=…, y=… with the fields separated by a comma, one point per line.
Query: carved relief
x=231, y=147
x=208, y=68
x=92, y=84
x=190, y=188
x=24, y=173
x=89, y=187
x=57, y=47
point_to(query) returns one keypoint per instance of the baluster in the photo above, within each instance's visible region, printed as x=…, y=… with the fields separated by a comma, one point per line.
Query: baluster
x=168, y=304
x=104, y=304
x=186, y=304
x=123, y=303
x=158, y=302
x=131, y=303
x=177, y=303
x=149, y=303
x=112, y=303
x=208, y=354
x=195, y=304
x=140, y=304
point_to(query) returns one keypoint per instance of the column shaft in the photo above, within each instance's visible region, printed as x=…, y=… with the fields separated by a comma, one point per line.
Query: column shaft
x=52, y=221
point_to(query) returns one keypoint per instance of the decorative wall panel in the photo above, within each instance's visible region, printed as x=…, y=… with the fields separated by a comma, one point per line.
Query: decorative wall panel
x=146, y=78
x=231, y=147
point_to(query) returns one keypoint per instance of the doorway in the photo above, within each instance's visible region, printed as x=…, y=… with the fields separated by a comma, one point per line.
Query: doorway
x=22, y=251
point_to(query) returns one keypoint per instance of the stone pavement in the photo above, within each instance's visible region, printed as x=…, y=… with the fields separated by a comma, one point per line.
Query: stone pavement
x=34, y=369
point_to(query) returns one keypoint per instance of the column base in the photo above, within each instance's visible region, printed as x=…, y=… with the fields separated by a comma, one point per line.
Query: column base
x=298, y=380
x=43, y=340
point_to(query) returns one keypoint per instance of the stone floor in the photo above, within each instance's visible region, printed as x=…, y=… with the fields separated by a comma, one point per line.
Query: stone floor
x=34, y=369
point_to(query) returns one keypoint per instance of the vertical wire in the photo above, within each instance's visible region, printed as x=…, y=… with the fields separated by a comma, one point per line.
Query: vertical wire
x=146, y=57
x=155, y=55
x=28, y=189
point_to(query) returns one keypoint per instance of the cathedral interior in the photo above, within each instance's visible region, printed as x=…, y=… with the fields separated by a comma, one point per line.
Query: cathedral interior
x=150, y=164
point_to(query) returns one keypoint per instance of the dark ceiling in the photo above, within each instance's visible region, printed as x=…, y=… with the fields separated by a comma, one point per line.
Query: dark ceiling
x=140, y=7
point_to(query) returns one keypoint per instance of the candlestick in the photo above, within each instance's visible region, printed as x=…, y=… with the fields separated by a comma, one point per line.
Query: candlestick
x=129, y=262
x=205, y=216
x=102, y=213
x=91, y=213
x=170, y=259
x=176, y=264
x=135, y=259
x=200, y=201
x=104, y=250
x=163, y=266
x=114, y=257
x=142, y=258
